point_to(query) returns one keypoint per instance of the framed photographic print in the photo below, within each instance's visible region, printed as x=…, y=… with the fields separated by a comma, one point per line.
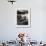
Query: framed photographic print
x=23, y=17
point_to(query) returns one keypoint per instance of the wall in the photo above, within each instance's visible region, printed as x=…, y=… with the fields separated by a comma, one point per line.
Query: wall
x=8, y=28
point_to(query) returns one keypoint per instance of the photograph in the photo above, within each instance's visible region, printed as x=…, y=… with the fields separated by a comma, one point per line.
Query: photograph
x=23, y=17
